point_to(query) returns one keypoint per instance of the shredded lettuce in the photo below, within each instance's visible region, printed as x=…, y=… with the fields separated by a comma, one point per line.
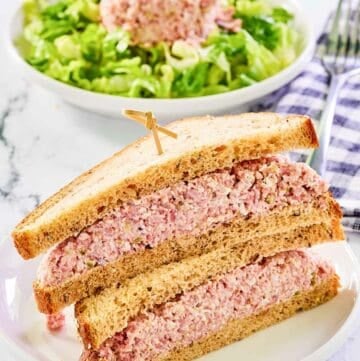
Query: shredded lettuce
x=285, y=50
x=182, y=55
x=252, y=8
x=66, y=40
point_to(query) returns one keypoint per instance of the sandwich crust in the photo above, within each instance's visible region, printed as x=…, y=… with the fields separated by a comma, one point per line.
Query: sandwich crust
x=204, y=144
x=51, y=299
x=100, y=315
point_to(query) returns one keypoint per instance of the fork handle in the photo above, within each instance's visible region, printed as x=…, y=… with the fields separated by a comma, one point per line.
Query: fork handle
x=318, y=157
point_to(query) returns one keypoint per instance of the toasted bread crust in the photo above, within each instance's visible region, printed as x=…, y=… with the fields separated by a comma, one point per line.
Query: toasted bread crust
x=204, y=145
x=238, y=329
x=51, y=299
x=120, y=303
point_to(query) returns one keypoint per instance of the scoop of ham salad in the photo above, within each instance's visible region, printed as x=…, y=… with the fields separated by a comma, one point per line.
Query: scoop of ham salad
x=205, y=309
x=152, y=21
x=187, y=208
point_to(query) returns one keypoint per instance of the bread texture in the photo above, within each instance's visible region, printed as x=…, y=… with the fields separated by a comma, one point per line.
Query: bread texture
x=204, y=144
x=101, y=315
x=237, y=329
x=51, y=299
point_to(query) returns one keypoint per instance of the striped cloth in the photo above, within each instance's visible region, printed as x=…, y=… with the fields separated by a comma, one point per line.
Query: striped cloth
x=306, y=95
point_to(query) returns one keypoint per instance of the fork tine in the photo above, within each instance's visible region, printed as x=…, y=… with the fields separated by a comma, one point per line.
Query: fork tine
x=352, y=47
x=332, y=41
x=345, y=36
x=357, y=26
x=323, y=41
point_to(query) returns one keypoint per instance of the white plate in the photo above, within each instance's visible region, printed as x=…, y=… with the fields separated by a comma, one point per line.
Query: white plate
x=214, y=104
x=312, y=336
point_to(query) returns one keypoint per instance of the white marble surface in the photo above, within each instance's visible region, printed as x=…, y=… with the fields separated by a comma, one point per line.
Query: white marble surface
x=45, y=142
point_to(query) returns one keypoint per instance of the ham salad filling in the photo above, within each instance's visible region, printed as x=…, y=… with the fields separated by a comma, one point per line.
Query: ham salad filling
x=188, y=208
x=55, y=322
x=153, y=21
x=204, y=310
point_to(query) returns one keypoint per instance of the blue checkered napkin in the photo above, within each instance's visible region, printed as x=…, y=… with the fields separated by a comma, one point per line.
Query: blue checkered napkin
x=306, y=95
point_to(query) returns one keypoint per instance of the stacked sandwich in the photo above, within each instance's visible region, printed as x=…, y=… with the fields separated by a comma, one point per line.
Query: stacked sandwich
x=170, y=257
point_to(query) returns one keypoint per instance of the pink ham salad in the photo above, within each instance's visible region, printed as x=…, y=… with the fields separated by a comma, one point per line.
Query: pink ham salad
x=187, y=208
x=153, y=21
x=204, y=310
x=55, y=322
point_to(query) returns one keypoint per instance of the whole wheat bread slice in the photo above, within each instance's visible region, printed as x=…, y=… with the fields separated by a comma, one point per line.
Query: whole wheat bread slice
x=238, y=329
x=51, y=299
x=204, y=144
x=111, y=309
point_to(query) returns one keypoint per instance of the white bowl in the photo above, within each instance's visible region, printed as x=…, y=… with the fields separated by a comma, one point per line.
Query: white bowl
x=212, y=104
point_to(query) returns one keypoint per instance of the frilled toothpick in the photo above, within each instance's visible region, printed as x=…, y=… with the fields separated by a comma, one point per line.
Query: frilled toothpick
x=148, y=120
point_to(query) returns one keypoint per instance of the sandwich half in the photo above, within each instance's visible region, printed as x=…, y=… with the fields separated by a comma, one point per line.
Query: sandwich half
x=218, y=185
x=185, y=310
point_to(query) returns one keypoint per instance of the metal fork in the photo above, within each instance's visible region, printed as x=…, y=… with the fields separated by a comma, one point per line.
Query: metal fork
x=339, y=57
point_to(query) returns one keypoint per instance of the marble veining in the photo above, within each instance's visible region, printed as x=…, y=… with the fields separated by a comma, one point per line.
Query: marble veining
x=13, y=105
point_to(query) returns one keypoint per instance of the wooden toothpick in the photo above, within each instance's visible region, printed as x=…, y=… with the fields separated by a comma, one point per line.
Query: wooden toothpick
x=148, y=120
